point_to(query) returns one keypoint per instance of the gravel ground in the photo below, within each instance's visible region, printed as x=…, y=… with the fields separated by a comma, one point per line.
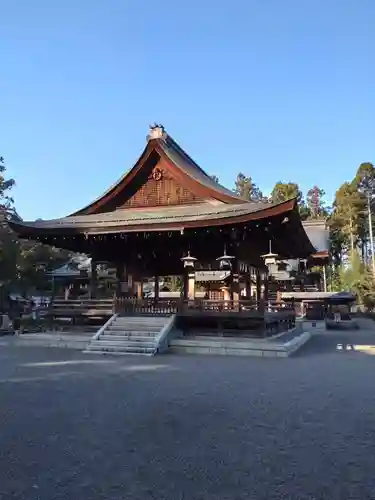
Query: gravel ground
x=80, y=427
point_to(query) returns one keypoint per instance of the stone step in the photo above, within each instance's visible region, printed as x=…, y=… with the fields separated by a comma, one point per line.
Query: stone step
x=135, y=328
x=119, y=338
x=129, y=327
x=120, y=349
x=141, y=319
x=121, y=341
x=135, y=322
x=118, y=353
x=128, y=333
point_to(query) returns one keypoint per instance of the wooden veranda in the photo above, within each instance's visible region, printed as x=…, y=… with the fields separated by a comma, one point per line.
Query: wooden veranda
x=199, y=315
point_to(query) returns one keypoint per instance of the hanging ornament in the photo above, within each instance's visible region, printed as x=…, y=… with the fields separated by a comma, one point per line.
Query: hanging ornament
x=225, y=261
x=270, y=257
x=188, y=261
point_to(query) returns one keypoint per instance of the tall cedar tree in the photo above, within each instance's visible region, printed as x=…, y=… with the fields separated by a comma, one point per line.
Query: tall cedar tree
x=246, y=188
x=284, y=191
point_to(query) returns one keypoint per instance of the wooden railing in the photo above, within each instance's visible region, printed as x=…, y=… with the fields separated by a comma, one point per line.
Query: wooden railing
x=279, y=307
x=85, y=307
x=79, y=311
x=166, y=307
x=153, y=307
x=222, y=305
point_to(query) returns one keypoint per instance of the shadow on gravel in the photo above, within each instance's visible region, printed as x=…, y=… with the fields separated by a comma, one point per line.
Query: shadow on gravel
x=340, y=342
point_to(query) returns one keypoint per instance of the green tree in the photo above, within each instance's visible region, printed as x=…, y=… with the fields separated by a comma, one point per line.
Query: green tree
x=9, y=245
x=34, y=262
x=357, y=278
x=315, y=203
x=246, y=188
x=23, y=263
x=347, y=216
x=364, y=183
x=9, y=251
x=336, y=243
x=173, y=283
x=365, y=178
x=284, y=191
x=6, y=201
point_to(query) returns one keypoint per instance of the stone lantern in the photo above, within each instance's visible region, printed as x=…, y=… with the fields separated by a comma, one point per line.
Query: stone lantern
x=226, y=263
x=270, y=258
x=270, y=261
x=188, y=261
x=189, y=277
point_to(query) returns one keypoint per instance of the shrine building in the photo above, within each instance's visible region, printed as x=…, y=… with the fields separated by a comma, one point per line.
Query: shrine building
x=166, y=216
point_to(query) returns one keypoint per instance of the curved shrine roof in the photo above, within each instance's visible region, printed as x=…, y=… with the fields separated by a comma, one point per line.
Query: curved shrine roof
x=165, y=146
x=173, y=217
x=183, y=160
x=210, y=204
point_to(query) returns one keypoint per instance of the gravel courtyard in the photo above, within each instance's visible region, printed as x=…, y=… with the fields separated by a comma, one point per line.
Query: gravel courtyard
x=80, y=427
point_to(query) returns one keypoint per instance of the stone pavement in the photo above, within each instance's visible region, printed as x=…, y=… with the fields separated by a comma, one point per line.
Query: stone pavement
x=173, y=427
x=325, y=342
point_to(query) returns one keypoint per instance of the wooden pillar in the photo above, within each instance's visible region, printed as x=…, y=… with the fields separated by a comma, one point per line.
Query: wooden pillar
x=139, y=289
x=93, y=278
x=119, y=275
x=226, y=293
x=156, y=287
x=124, y=281
x=191, y=284
x=74, y=288
x=236, y=288
x=130, y=281
x=235, y=282
x=248, y=285
x=265, y=285
x=184, y=286
x=258, y=286
x=324, y=278
x=189, y=277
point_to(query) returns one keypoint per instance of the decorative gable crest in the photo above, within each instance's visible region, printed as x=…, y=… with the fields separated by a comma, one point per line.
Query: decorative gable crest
x=157, y=131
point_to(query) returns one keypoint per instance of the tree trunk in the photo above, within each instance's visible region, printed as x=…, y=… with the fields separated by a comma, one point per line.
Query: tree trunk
x=351, y=234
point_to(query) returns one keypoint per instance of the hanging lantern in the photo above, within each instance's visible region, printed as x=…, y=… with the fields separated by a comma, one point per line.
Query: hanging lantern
x=188, y=261
x=225, y=261
x=269, y=258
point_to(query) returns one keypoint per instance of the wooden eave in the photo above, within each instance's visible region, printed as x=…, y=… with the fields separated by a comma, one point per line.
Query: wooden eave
x=321, y=255
x=166, y=218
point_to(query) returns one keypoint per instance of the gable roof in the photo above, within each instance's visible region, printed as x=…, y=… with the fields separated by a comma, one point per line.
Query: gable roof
x=318, y=233
x=182, y=160
x=164, y=145
x=214, y=204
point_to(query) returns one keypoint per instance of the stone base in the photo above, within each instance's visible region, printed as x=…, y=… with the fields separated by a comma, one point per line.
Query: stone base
x=350, y=324
x=238, y=346
x=68, y=341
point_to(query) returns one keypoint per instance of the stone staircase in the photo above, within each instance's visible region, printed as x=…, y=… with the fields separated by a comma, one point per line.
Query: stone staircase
x=128, y=335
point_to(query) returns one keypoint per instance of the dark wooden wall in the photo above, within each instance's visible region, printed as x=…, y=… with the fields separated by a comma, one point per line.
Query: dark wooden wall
x=164, y=191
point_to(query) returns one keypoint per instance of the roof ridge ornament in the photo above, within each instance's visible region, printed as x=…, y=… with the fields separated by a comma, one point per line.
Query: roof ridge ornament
x=157, y=131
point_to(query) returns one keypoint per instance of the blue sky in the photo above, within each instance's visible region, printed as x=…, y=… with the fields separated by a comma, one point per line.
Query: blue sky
x=277, y=89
